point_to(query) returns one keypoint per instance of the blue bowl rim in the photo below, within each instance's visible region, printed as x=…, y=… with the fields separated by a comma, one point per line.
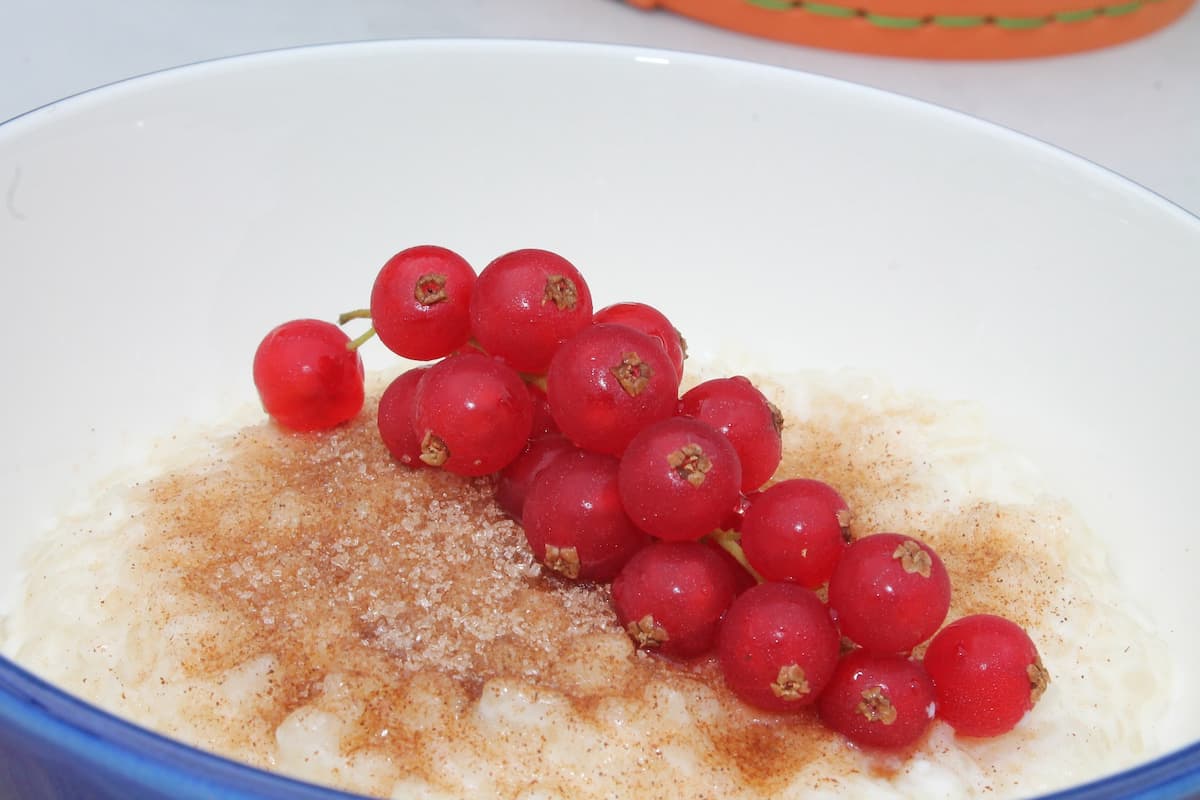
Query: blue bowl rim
x=98, y=742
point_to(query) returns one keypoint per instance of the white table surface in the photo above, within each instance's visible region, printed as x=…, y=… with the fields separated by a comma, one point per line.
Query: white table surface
x=1134, y=108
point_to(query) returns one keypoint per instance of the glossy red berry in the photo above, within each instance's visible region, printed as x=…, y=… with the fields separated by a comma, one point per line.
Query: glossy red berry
x=878, y=701
x=526, y=303
x=420, y=302
x=607, y=383
x=986, y=672
x=679, y=478
x=515, y=480
x=397, y=407
x=650, y=320
x=790, y=533
x=778, y=646
x=472, y=413
x=834, y=501
x=307, y=377
x=752, y=423
x=889, y=592
x=543, y=421
x=574, y=521
x=733, y=519
x=742, y=578
x=671, y=597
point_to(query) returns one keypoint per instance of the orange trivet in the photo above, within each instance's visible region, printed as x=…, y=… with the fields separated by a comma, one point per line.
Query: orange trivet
x=938, y=28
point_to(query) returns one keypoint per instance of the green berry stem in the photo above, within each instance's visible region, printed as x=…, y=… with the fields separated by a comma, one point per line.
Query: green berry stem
x=729, y=542
x=354, y=344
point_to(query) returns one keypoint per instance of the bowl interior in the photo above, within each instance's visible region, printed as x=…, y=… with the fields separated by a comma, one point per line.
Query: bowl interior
x=154, y=230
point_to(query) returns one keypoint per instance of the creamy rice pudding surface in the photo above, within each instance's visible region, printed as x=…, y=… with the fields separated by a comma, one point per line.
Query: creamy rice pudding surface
x=307, y=605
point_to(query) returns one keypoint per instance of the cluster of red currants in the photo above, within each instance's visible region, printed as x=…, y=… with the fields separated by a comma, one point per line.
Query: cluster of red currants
x=614, y=476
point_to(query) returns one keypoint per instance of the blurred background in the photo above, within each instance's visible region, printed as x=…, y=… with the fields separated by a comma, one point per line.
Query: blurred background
x=1133, y=107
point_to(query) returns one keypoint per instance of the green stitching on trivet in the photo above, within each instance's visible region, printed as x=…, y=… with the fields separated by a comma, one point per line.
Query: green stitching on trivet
x=829, y=11
x=895, y=23
x=1076, y=16
x=959, y=22
x=1020, y=23
x=1121, y=10
x=952, y=21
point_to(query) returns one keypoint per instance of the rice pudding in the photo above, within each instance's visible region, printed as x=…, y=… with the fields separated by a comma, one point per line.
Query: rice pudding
x=304, y=604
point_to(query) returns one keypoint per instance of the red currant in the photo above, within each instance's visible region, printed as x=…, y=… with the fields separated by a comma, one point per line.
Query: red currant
x=987, y=674
x=878, y=701
x=420, y=302
x=307, y=377
x=472, y=413
x=790, y=533
x=742, y=578
x=515, y=480
x=751, y=422
x=671, y=597
x=527, y=303
x=733, y=519
x=889, y=592
x=607, y=383
x=648, y=319
x=679, y=478
x=778, y=646
x=543, y=421
x=573, y=518
x=835, y=503
x=395, y=418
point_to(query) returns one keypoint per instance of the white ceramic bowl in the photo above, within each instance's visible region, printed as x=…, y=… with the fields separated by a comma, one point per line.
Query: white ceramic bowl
x=152, y=230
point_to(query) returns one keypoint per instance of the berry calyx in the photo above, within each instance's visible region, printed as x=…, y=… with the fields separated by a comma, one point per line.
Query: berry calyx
x=307, y=376
x=679, y=478
x=472, y=414
x=878, y=701
x=778, y=646
x=987, y=674
x=889, y=592
x=420, y=302
x=526, y=304
x=670, y=597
